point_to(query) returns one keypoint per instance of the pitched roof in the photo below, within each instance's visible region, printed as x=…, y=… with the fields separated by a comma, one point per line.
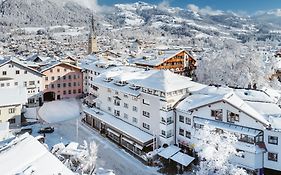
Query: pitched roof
x=25, y=155
x=166, y=81
x=157, y=59
x=231, y=98
x=15, y=61
x=54, y=64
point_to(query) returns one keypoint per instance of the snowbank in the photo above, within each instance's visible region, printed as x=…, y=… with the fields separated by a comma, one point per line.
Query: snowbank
x=58, y=111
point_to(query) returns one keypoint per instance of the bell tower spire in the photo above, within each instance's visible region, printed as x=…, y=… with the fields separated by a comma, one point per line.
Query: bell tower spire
x=92, y=43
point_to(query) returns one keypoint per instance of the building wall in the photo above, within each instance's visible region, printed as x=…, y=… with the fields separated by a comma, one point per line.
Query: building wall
x=11, y=112
x=64, y=80
x=272, y=148
x=24, y=77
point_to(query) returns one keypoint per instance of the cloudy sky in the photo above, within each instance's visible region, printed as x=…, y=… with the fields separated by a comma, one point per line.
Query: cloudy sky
x=250, y=6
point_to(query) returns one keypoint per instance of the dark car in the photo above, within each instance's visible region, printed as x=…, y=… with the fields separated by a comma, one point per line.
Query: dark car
x=46, y=130
x=24, y=130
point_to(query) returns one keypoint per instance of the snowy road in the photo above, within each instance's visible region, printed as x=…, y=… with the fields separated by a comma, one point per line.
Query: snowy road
x=110, y=156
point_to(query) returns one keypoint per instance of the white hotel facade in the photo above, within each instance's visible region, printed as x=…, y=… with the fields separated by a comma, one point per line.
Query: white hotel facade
x=137, y=108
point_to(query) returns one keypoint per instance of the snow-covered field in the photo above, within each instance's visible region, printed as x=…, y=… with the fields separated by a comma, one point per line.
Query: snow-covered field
x=63, y=115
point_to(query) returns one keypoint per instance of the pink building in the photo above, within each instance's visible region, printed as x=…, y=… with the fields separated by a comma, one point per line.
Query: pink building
x=62, y=80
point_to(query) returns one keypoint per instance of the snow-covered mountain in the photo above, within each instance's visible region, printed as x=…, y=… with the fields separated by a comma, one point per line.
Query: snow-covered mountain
x=146, y=17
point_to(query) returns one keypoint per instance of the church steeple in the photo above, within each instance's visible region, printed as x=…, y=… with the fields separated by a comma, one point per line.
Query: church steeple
x=92, y=44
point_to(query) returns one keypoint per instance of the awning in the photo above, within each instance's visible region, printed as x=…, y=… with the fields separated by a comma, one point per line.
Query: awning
x=113, y=132
x=182, y=158
x=121, y=126
x=127, y=140
x=169, y=151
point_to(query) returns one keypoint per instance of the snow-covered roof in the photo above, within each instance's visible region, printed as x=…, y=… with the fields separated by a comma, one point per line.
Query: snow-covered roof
x=120, y=125
x=169, y=151
x=13, y=96
x=274, y=94
x=244, y=94
x=26, y=155
x=55, y=63
x=182, y=158
x=157, y=59
x=166, y=81
x=20, y=63
x=266, y=109
x=231, y=98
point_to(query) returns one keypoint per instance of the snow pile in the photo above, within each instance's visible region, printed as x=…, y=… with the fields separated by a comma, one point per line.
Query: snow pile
x=81, y=159
x=58, y=111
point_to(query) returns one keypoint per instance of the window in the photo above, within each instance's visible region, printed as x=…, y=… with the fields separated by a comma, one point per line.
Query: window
x=187, y=134
x=12, y=110
x=135, y=120
x=273, y=140
x=64, y=84
x=247, y=139
x=46, y=78
x=74, y=76
x=146, y=102
x=17, y=72
x=46, y=86
x=125, y=116
x=16, y=83
x=51, y=70
x=58, y=77
x=108, y=90
x=74, y=91
x=64, y=92
x=116, y=113
x=169, y=133
x=4, y=73
x=232, y=117
x=69, y=91
x=69, y=77
x=69, y=84
x=146, y=126
x=8, y=84
x=74, y=83
x=163, y=133
x=125, y=105
x=12, y=120
x=181, y=132
x=217, y=114
x=126, y=96
x=53, y=78
x=25, y=72
x=145, y=113
x=25, y=83
x=2, y=84
x=273, y=156
x=181, y=118
x=188, y=121
x=79, y=90
x=58, y=70
x=31, y=82
x=135, y=108
x=65, y=70
x=64, y=77
x=109, y=109
x=198, y=126
x=241, y=153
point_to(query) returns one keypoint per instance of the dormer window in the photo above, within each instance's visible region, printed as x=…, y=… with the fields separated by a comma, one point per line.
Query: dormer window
x=107, y=79
x=120, y=83
x=134, y=87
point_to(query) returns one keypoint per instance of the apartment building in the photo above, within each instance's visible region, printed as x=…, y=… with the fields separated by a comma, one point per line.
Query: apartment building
x=23, y=76
x=134, y=106
x=251, y=115
x=61, y=80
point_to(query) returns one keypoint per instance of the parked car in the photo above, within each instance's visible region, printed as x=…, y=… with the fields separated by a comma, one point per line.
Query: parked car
x=46, y=130
x=24, y=130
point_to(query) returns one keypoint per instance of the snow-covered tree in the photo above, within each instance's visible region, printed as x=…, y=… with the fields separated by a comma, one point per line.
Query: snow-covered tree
x=215, y=151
